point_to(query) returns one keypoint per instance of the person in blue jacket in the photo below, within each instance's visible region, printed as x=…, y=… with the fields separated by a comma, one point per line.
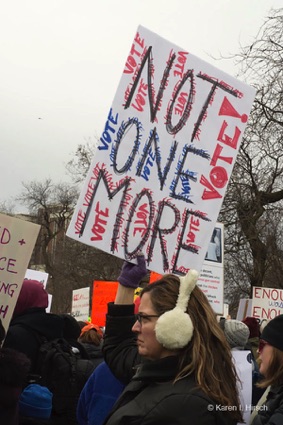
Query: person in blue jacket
x=98, y=396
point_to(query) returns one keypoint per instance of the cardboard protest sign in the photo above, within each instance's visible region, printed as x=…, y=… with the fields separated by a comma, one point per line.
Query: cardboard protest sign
x=163, y=162
x=17, y=240
x=80, y=303
x=267, y=303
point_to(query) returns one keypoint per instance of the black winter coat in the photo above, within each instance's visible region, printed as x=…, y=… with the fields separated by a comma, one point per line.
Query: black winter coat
x=152, y=397
x=271, y=413
x=94, y=353
x=21, y=335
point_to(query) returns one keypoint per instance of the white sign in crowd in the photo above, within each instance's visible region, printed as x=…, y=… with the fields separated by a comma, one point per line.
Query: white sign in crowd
x=267, y=303
x=163, y=162
x=17, y=240
x=161, y=168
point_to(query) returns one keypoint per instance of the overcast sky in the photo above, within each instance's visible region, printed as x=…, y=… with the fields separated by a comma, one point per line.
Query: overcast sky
x=61, y=61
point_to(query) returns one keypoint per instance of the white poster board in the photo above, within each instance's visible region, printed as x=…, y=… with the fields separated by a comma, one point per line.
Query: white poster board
x=267, y=303
x=80, y=304
x=41, y=277
x=244, y=309
x=244, y=371
x=17, y=240
x=162, y=165
x=37, y=275
x=211, y=278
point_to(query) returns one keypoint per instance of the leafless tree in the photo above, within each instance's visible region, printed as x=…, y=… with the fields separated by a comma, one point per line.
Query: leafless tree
x=70, y=264
x=252, y=209
x=79, y=165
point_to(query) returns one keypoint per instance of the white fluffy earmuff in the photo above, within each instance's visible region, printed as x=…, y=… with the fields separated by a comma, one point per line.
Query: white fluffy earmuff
x=174, y=328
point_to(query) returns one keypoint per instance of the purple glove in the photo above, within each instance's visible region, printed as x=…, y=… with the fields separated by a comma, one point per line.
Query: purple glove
x=131, y=274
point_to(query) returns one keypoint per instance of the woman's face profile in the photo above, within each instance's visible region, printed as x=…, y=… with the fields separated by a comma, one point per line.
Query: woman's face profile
x=144, y=328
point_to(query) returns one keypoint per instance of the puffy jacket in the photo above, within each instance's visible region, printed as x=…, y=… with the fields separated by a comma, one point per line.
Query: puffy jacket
x=271, y=413
x=119, y=343
x=152, y=397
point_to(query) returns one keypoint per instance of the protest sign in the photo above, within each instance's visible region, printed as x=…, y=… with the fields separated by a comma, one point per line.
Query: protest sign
x=162, y=165
x=244, y=309
x=267, y=303
x=244, y=371
x=103, y=293
x=42, y=277
x=211, y=278
x=17, y=240
x=80, y=304
x=37, y=275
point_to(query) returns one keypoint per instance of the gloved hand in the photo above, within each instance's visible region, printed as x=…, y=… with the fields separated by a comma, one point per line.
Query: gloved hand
x=131, y=274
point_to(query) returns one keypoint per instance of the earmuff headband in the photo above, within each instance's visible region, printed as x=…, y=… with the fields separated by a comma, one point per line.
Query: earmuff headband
x=174, y=329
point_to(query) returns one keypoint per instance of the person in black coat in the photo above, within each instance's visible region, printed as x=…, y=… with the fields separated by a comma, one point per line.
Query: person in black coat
x=270, y=408
x=172, y=354
x=30, y=319
x=14, y=369
x=91, y=338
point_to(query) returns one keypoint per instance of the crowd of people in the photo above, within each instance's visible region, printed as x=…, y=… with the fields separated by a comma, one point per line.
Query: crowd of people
x=165, y=359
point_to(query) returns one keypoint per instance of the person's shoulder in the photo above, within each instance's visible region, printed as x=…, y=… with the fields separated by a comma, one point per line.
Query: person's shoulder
x=187, y=388
x=37, y=322
x=194, y=405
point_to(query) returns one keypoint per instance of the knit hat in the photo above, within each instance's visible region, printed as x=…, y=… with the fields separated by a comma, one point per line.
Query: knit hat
x=36, y=402
x=253, y=325
x=236, y=332
x=32, y=294
x=273, y=332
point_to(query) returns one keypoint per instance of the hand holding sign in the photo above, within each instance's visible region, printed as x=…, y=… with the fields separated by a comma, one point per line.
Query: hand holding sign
x=132, y=274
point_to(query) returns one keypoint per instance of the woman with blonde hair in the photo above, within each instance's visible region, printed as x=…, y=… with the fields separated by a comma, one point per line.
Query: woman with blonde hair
x=184, y=373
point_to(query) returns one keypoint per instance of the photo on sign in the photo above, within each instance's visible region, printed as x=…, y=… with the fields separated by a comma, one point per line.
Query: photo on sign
x=214, y=250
